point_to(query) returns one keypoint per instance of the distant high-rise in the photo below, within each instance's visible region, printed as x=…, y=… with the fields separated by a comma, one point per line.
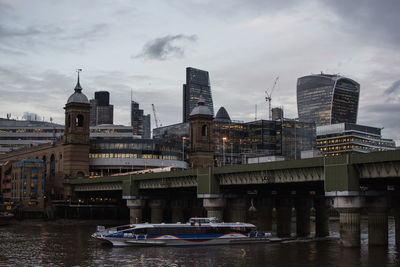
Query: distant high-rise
x=146, y=126
x=277, y=113
x=327, y=99
x=101, y=112
x=197, y=84
x=139, y=121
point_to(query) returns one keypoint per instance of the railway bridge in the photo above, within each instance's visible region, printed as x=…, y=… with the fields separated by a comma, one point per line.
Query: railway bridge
x=351, y=184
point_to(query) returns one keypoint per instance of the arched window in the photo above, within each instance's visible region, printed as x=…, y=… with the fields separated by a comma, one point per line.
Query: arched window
x=69, y=121
x=79, y=120
x=45, y=166
x=204, y=130
x=52, y=165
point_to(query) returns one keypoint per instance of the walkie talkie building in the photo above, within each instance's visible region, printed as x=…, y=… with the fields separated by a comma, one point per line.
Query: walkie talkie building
x=327, y=99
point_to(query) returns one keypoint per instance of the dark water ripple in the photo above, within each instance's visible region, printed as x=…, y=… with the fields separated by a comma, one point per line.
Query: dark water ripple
x=56, y=244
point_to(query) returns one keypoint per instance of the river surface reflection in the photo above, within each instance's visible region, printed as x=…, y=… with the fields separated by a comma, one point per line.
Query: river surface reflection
x=68, y=243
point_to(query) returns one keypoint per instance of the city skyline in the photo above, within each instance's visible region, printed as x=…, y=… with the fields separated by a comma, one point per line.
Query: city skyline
x=244, y=46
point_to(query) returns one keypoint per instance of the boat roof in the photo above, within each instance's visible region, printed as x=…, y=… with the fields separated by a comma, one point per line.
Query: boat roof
x=166, y=225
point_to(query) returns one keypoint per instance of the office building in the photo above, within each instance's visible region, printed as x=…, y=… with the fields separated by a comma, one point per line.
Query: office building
x=101, y=112
x=146, y=126
x=20, y=134
x=277, y=113
x=27, y=182
x=327, y=99
x=115, y=149
x=197, y=84
x=222, y=115
x=235, y=141
x=342, y=138
x=140, y=122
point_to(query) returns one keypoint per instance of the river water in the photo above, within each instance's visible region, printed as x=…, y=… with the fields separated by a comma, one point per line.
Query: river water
x=68, y=243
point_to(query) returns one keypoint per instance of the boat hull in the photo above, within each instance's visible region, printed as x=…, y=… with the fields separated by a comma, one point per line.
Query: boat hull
x=176, y=241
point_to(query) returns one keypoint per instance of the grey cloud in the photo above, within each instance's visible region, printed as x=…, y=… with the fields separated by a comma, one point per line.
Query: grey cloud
x=11, y=51
x=393, y=88
x=382, y=115
x=373, y=21
x=35, y=88
x=6, y=12
x=24, y=39
x=6, y=33
x=91, y=32
x=231, y=9
x=167, y=46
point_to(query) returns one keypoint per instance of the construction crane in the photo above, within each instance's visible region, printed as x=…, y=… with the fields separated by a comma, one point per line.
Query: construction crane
x=155, y=116
x=268, y=97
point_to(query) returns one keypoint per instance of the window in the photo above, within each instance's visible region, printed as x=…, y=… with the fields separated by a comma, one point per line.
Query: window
x=52, y=165
x=204, y=130
x=79, y=120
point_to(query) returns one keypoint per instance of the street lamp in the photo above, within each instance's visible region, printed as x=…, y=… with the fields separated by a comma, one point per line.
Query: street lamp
x=183, y=147
x=232, y=153
x=224, y=139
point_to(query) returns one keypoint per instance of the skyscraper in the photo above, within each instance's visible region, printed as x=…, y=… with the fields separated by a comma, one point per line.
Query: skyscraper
x=327, y=99
x=197, y=84
x=139, y=121
x=101, y=112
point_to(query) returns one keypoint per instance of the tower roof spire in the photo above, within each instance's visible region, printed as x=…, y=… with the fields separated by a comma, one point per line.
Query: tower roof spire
x=78, y=88
x=78, y=96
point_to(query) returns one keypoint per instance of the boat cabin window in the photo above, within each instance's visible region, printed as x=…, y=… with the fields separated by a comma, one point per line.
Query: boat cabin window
x=140, y=231
x=202, y=220
x=124, y=227
x=196, y=230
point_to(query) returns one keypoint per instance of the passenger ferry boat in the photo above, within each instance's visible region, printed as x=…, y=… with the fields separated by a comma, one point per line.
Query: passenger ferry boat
x=198, y=231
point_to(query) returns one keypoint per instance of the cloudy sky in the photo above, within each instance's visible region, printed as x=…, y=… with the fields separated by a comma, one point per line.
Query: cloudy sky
x=145, y=47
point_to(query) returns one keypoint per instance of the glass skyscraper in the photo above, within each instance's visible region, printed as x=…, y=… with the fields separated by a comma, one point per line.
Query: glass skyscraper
x=197, y=84
x=327, y=99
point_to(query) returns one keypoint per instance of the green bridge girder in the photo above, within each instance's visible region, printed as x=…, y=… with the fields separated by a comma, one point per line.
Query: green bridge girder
x=341, y=173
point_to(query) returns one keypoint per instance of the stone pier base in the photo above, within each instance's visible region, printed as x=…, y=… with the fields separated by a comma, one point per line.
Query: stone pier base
x=303, y=210
x=377, y=221
x=237, y=210
x=157, y=210
x=264, y=214
x=284, y=216
x=215, y=207
x=349, y=207
x=322, y=206
x=135, y=210
x=178, y=210
x=350, y=229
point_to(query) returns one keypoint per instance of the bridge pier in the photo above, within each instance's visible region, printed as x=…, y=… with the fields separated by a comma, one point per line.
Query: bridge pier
x=177, y=210
x=264, y=214
x=196, y=207
x=377, y=221
x=303, y=210
x=321, y=206
x=349, y=209
x=215, y=207
x=284, y=217
x=395, y=204
x=157, y=210
x=396, y=211
x=135, y=210
x=237, y=210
